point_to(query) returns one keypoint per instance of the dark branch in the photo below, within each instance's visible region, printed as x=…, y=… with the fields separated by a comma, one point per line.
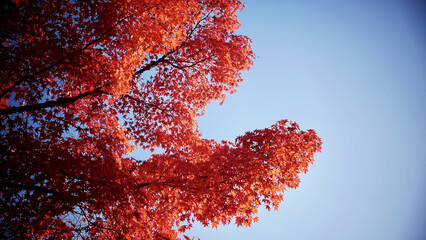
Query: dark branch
x=49, y=104
x=182, y=66
x=83, y=213
x=28, y=187
x=144, y=184
x=152, y=64
x=144, y=103
x=164, y=59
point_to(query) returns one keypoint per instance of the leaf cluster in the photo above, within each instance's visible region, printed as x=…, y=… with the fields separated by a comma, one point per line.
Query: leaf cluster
x=85, y=83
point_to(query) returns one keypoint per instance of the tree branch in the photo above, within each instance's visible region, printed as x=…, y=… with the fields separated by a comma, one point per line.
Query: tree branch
x=144, y=184
x=153, y=63
x=50, y=104
x=4, y=184
x=83, y=213
x=145, y=103
x=163, y=58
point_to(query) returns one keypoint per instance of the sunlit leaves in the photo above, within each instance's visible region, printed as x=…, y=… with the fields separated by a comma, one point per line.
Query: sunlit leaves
x=84, y=83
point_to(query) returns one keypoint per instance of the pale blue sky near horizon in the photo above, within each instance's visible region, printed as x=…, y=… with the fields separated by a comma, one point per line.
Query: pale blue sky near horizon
x=355, y=71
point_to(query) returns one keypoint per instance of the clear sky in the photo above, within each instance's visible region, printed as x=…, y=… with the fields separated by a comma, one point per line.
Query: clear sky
x=355, y=71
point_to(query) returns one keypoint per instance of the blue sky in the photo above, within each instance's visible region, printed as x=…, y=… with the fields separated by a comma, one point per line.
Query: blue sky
x=355, y=71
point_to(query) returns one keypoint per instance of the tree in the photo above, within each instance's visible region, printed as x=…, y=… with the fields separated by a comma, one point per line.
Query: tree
x=85, y=83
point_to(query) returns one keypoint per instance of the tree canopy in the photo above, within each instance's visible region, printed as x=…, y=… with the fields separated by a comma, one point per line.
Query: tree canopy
x=85, y=83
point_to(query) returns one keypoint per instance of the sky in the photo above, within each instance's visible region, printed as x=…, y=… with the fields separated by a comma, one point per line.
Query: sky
x=355, y=71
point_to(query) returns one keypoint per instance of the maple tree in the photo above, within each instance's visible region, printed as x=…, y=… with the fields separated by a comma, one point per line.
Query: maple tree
x=85, y=83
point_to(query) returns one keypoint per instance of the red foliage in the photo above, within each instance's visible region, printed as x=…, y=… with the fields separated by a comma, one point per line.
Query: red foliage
x=84, y=83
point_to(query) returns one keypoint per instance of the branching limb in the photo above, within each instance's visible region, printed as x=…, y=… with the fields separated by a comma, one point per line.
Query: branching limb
x=4, y=184
x=49, y=104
